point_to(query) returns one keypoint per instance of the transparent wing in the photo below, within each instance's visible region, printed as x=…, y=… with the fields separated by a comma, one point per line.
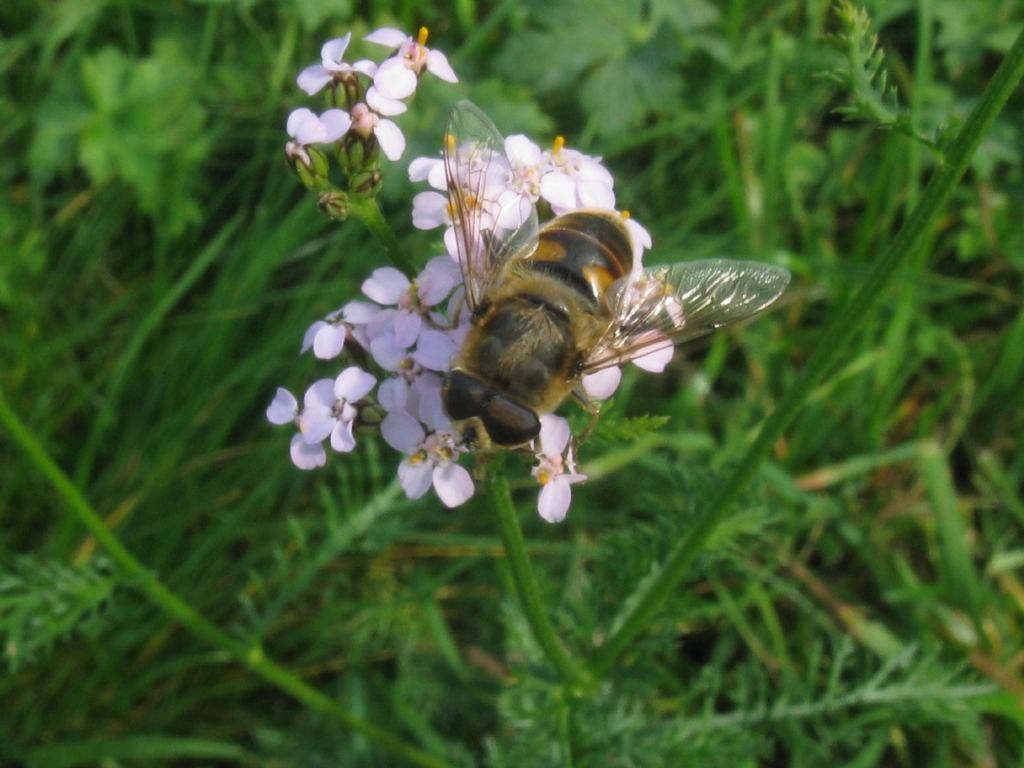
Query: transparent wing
x=491, y=220
x=667, y=305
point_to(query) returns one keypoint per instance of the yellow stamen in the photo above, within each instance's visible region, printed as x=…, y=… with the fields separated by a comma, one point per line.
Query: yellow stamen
x=625, y=214
x=423, y=35
x=558, y=143
x=416, y=458
x=406, y=364
x=544, y=477
x=449, y=142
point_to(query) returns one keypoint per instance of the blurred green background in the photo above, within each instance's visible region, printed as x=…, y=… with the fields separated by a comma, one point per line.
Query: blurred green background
x=862, y=605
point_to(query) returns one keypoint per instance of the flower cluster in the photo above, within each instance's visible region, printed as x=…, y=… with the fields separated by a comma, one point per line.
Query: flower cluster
x=404, y=332
x=359, y=117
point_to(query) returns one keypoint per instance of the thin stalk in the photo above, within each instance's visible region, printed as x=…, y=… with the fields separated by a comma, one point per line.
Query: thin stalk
x=367, y=210
x=835, y=338
x=147, y=582
x=526, y=584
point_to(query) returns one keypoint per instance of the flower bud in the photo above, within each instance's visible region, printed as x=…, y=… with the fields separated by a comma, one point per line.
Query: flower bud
x=367, y=183
x=309, y=164
x=334, y=204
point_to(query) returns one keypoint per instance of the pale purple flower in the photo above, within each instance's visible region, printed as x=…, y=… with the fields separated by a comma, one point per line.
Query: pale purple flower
x=433, y=463
x=397, y=77
x=555, y=469
x=367, y=122
x=329, y=408
x=413, y=299
x=306, y=128
x=284, y=409
x=313, y=78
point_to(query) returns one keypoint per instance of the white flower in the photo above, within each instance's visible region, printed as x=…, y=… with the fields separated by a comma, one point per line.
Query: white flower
x=397, y=77
x=433, y=463
x=313, y=78
x=555, y=469
x=306, y=128
x=575, y=180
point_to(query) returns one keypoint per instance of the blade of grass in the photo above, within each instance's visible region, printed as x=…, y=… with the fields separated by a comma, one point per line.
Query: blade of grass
x=835, y=338
x=955, y=563
x=175, y=607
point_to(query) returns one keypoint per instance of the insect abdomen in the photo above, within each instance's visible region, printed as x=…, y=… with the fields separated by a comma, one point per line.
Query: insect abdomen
x=586, y=250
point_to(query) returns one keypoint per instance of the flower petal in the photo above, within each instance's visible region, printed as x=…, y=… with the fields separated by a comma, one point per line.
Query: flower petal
x=435, y=350
x=296, y=119
x=407, y=327
x=389, y=36
x=342, y=439
x=333, y=51
x=283, y=408
x=353, y=384
x=415, y=475
x=386, y=285
x=329, y=341
x=336, y=123
x=401, y=431
x=310, y=335
x=320, y=392
x=602, y=384
x=437, y=280
x=386, y=352
x=437, y=65
x=306, y=456
x=429, y=210
x=554, y=434
x=559, y=190
x=394, y=79
x=316, y=423
x=313, y=79
x=392, y=394
x=655, y=362
x=390, y=138
x=553, y=501
x=382, y=105
x=453, y=484
x=359, y=312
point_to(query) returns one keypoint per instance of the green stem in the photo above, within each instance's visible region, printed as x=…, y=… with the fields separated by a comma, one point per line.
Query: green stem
x=834, y=340
x=147, y=582
x=367, y=210
x=526, y=584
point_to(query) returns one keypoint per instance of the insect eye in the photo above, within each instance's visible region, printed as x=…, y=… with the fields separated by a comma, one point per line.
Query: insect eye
x=464, y=395
x=508, y=423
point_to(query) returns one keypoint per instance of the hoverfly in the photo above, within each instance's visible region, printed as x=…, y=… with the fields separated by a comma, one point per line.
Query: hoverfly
x=549, y=305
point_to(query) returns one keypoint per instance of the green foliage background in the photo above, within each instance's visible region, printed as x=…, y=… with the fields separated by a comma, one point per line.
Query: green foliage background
x=861, y=604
